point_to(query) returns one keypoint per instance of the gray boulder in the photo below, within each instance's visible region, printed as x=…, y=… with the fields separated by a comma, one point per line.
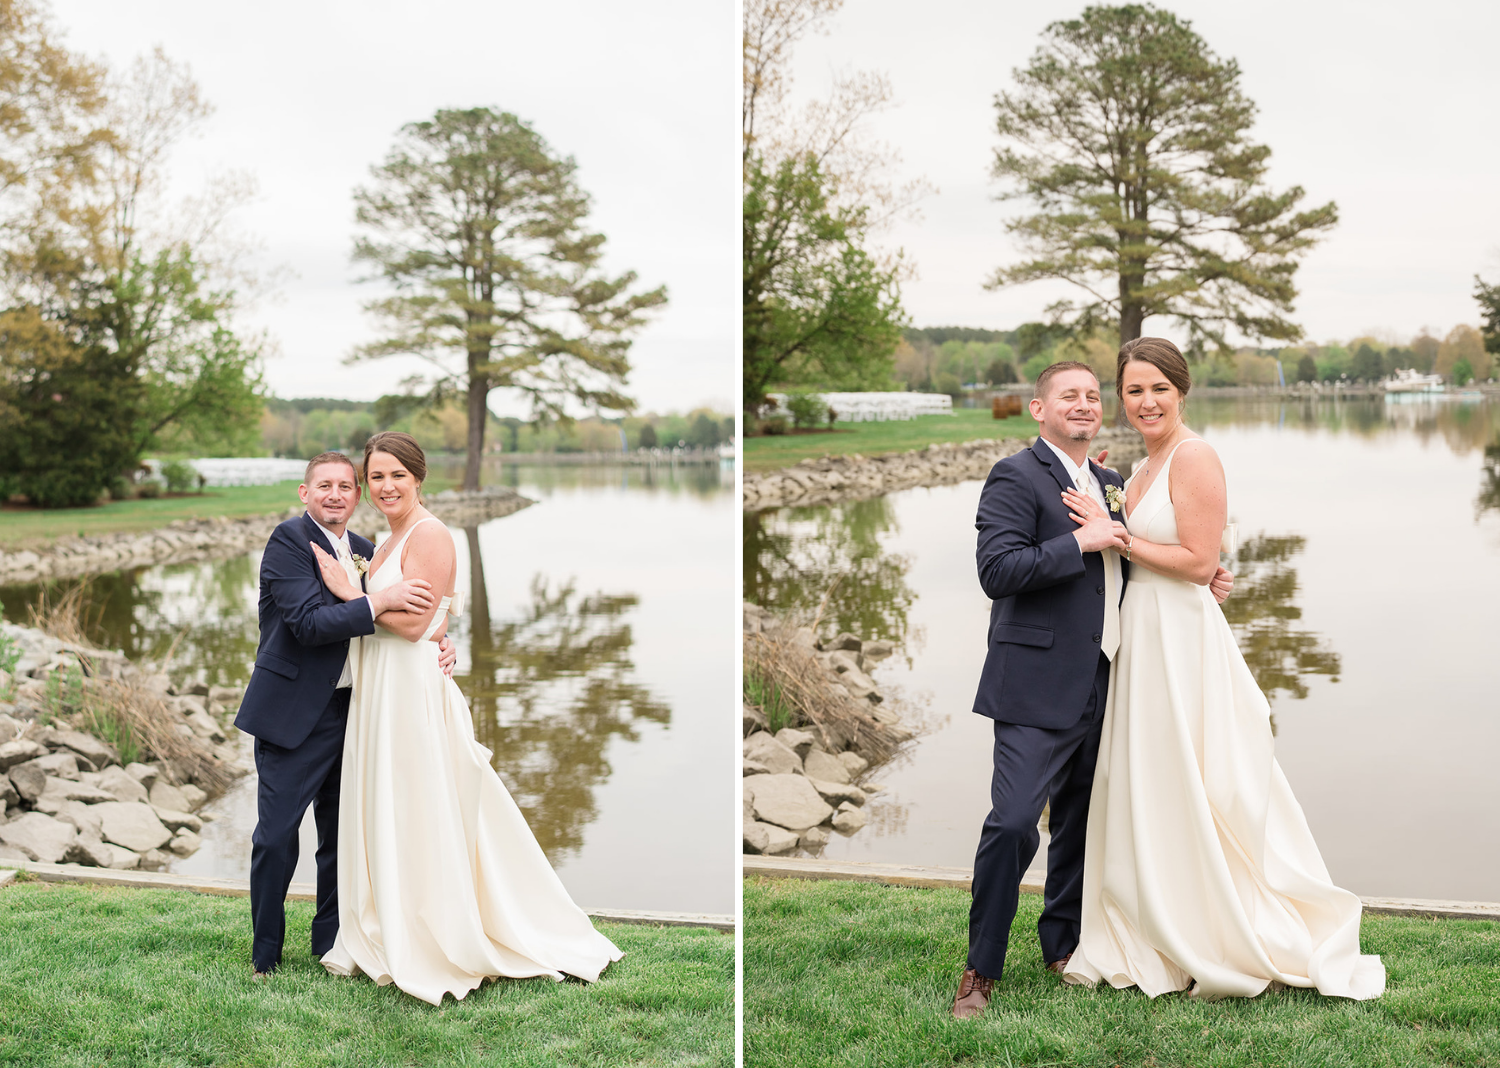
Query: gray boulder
x=165, y=795
x=19, y=751
x=120, y=783
x=83, y=817
x=770, y=753
x=122, y=859
x=145, y=774
x=64, y=765
x=8, y=794
x=752, y=767
x=841, y=661
x=756, y=838
x=789, y=801
x=857, y=683
x=40, y=837
x=90, y=850
x=185, y=844
x=813, y=838
x=87, y=745
x=176, y=821
x=205, y=726
x=227, y=695
x=752, y=719
x=778, y=840
x=155, y=860
x=820, y=765
x=59, y=792
x=876, y=650
x=838, y=793
x=853, y=763
x=844, y=640
x=849, y=820
x=132, y=825
x=195, y=797
x=29, y=781
x=797, y=741
x=12, y=853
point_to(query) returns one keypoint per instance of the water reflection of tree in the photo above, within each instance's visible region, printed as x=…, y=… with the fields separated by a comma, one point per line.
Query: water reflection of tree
x=549, y=692
x=793, y=556
x=204, y=614
x=1263, y=614
x=1489, y=475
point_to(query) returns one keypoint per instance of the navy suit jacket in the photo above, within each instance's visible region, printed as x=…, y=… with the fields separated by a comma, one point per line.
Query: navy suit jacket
x=304, y=636
x=1047, y=619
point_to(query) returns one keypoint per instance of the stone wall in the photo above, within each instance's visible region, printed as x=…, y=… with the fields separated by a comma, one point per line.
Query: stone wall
x=831, y=479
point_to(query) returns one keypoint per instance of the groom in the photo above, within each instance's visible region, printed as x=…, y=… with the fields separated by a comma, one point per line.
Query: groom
x=297, y=702
x=1054, y=629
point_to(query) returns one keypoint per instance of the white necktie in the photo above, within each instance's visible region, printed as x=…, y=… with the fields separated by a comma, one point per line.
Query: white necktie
x=1110, y=642
x=341, y=550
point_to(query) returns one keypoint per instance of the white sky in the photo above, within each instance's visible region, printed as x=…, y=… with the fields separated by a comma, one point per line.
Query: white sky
x=1386, y=108
x=309, y=95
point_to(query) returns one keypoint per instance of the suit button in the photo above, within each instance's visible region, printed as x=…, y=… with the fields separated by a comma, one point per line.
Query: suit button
x=1097, y=637
x=1099, y=590
x=335, y=682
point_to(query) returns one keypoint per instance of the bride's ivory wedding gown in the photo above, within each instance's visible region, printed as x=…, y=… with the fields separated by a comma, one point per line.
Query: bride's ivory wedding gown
x=441, y=882
x=1199, y=864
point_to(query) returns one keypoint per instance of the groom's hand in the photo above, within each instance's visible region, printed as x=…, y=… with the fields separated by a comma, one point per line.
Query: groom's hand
x=1222, y=585
x=447, y=655
x=408, y=595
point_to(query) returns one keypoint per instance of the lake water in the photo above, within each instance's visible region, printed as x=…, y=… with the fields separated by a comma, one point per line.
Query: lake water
x=597, y=655
x=1367, y=603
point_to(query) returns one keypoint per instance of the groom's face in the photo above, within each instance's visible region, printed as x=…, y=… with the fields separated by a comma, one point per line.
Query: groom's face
x=330, y=495
x=1072, y=410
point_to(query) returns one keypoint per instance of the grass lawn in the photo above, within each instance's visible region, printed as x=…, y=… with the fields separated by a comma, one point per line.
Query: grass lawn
x=840, y=973
x=872, y=439
x=92, y=976
x=31, y=527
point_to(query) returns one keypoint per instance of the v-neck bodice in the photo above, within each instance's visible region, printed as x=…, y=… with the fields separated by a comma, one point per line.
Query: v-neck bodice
x=1153, y=517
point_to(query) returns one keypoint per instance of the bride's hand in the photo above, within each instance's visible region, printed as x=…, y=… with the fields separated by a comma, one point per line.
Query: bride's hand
x=1083, y=506
x=334, y=576
x=1222, y=585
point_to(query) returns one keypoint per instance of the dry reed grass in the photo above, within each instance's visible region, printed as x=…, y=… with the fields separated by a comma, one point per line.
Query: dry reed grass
x=121, y=704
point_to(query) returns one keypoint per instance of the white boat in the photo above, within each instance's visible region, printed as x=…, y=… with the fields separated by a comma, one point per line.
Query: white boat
x=1408, y=380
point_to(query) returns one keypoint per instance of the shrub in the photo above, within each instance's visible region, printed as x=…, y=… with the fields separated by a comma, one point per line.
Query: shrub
x=179, y=475
x=808, y=409
x=149, y=489
x=647, y=438
x=947, y=382
x=120, y=489
x=777, y=424
x=1462, y=372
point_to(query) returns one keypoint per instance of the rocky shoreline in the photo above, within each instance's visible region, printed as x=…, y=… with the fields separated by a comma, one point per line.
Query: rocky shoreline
x=831, y=479
x=806, y=781
x=66, y=796
x=216, y=537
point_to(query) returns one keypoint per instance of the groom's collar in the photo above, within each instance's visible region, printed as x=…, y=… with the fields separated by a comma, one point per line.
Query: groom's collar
x=328, y=535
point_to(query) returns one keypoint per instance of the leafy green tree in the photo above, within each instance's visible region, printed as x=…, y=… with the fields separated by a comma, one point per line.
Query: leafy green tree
x=1000, y=372
x=67, y=412
x=1488, y=297
x=1307, y=368
x=819, y=308
x=704, y=433
x=1366, y=365
x=647, y=439
x=1130, y=138
x=482, y=233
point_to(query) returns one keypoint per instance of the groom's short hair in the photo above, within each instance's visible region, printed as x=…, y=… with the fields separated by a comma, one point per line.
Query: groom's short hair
x=1045, y=378
x=329, y=458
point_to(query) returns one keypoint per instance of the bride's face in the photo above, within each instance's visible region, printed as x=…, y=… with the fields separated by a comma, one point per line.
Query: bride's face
x=392, y=486
x=1152, y=404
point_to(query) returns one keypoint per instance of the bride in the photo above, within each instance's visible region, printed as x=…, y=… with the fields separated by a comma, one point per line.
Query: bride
x=441, y=883
x=1200, y=870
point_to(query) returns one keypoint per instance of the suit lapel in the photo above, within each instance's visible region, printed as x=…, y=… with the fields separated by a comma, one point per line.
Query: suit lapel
x=315, y=534
x=1045, y=454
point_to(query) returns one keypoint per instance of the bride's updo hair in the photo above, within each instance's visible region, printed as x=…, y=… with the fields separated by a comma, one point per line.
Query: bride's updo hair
x=1157, y=351
x=403, y=447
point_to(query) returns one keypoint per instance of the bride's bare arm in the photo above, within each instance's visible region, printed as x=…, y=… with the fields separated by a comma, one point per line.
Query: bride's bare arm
x=427, y=556
x=1202, y=507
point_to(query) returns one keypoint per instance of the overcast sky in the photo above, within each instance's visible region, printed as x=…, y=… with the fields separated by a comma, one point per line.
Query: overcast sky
x=1386, y=108
x=310, y=94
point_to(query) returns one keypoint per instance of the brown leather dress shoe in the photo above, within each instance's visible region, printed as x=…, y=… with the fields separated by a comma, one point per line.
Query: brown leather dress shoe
x=973, y=994
x=1057, y=967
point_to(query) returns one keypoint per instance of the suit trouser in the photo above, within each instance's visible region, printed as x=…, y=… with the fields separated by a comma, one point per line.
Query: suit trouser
x=1032, y=766
x=290, y=780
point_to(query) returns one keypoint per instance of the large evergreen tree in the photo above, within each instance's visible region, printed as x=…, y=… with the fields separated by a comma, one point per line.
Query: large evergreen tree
x=1128, y=138
x=482, y=233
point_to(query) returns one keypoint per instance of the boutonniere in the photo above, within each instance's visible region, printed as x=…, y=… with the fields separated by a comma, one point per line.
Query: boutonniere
x=1115, y=496
x=363, y=566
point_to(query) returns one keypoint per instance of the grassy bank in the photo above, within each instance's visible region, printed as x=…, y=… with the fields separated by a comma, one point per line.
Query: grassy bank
x=857, y=974
x=33, y=527
x=871, y=439
x=93, y=976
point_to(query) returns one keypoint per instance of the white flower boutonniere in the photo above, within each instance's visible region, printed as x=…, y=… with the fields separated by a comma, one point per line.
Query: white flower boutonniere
x=1115, y=496
x=361, y=564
